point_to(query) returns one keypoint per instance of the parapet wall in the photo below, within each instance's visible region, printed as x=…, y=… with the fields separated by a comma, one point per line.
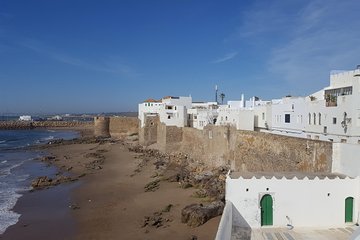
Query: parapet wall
x=245, y=150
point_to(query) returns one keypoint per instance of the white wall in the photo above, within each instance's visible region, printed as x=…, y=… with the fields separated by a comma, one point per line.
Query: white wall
x=242, y=119
x=293, y=107
x=177, y=116
x=148, y=108
x=346, y=159
x=305, y=202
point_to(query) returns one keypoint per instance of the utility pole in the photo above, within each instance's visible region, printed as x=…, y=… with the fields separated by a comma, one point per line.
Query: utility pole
x=216, y=93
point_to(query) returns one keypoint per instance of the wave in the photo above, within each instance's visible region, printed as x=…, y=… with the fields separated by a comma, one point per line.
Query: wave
x=2, y=141
x=5, y=161
x=8, y=199
x=47, y=138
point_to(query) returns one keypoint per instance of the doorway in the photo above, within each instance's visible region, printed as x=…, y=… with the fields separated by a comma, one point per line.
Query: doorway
x=349, y=209
x=266, y=205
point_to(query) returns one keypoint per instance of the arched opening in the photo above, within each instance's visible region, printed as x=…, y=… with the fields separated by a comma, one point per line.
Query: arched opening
x=266, y=205
x=309, y=118
x=349, y=209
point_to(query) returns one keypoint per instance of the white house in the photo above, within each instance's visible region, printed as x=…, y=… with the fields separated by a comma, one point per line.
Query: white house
x=172, y=111
x=241, y=118
x=269, y=201
x=202, y=114
x=25, y=118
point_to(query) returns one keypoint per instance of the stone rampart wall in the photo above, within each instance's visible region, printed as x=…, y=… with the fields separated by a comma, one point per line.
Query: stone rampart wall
x=246, y=150
x=123, y=126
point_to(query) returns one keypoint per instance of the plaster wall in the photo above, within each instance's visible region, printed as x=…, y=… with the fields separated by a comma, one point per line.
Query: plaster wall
x=242, y=119
x=299, y=202
x=346, y=159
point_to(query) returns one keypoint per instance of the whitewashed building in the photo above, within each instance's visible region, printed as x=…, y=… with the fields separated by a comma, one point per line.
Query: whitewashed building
x=26, y=118
x=288, y=202
x=202, y=113
x=241, y=118
x=172, y=111
x=331, y=114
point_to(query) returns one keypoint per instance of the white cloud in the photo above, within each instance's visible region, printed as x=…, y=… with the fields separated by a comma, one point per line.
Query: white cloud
x=225, y=58
x=306, y=39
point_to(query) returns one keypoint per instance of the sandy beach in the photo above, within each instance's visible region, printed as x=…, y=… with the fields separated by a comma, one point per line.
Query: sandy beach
x=108, y=201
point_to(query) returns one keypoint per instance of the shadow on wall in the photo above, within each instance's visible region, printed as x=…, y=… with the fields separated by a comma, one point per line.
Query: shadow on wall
x=233, y=225
x=240, y=228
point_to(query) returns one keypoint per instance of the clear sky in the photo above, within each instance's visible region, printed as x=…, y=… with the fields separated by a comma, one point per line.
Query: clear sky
x=99, y=56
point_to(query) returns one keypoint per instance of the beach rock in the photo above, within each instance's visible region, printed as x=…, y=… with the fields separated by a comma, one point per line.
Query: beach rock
x=195, y=215
x=45, y=181
x=47, y=158
x=193, y=237
x=152, y=186
x=95, y=165
x=201, y=193
x=156, y=220
x=167, y=208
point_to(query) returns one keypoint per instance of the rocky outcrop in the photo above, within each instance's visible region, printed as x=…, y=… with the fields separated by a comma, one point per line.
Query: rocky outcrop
x=45, y=181
x=195, y=215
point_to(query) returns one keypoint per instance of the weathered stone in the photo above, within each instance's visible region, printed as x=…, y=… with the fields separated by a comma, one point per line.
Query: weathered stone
x=45, y=181
x=195, y=215
x=152, y=186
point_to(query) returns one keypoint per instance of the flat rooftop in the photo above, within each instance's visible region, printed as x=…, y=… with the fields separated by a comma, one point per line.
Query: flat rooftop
x=288, y=175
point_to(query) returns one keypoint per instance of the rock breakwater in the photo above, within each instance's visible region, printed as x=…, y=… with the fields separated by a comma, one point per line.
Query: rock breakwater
x=42, y=124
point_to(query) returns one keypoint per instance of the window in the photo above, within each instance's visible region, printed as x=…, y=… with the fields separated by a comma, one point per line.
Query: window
x=226, y=118
x=263, y=116
x=334, y=120
x=287, y=118
x=319, y=118
x=175, y=108
x=169, y=117
x=309, y=118
x=343, y=140
x=292, y=107
x=325, y=129
x=314, y=118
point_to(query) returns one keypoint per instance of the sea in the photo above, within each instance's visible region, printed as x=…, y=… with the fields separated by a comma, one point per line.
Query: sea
x=18, y=166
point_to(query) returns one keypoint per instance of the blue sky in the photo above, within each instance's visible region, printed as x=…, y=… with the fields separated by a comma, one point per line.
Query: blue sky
x=100, y=56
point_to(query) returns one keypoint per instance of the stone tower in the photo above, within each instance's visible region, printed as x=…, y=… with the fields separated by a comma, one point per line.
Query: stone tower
x=101, y=126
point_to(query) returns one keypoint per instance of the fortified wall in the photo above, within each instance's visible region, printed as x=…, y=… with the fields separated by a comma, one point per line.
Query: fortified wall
x=224, y=145
x=116, y=127
x=241, y=150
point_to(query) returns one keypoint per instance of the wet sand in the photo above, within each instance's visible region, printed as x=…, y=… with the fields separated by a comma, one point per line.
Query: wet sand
x=109, y=202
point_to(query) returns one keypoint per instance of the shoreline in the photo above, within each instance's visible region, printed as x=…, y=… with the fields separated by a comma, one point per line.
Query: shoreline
x=110, y=200
x=45, y=212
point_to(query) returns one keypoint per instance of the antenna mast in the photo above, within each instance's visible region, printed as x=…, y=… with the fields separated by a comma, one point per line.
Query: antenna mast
x=216, y=93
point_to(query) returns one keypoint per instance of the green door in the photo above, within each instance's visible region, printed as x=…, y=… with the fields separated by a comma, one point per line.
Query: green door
x=266, y=205
x=349, y=209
